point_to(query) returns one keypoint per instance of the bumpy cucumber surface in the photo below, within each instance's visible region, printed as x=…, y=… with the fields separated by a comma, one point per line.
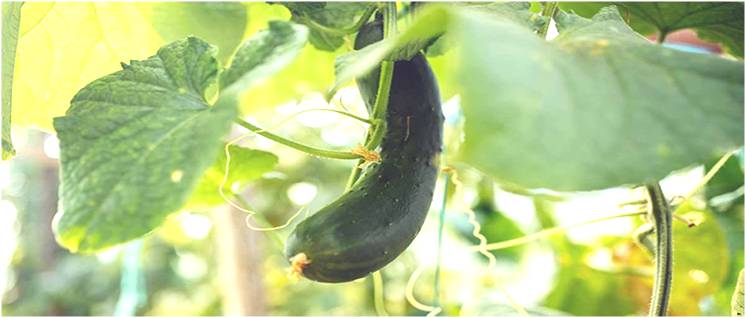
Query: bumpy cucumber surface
x=376, y=220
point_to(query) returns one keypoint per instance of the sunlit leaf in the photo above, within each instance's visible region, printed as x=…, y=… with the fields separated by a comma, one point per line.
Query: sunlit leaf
x=11, y=18
x=597, y=107
x=64, y=46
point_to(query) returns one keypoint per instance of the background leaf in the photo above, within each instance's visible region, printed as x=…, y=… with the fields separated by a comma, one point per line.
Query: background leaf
x=220, y=23
x=552, y=114
x=134, y=143
x=245, y=165
x=264, y=53
x=11, y=18
x=311, y=71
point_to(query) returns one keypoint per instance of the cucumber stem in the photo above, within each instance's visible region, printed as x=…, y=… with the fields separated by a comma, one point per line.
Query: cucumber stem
x=340, y=155
x=376, y=130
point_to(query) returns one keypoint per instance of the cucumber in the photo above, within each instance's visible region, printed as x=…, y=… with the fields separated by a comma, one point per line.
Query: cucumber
x=375, y=221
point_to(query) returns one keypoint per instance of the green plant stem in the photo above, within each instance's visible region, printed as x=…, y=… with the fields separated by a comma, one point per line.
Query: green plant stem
x=376, y=130
x=341, y=31
x=298, y=146
x=662, y=36
x=549, y=10
x=662, y=221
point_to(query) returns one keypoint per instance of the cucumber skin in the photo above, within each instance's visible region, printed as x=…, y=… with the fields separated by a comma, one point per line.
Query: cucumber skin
x=376, y=220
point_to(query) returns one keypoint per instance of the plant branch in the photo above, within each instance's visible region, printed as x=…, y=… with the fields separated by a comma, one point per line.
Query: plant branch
x=662, y=222
x=661, y=37
x=549, y=10
x=298, y=146
x=375, y=131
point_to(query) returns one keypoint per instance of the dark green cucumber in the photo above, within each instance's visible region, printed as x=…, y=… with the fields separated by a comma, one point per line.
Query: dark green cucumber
x=376, y=220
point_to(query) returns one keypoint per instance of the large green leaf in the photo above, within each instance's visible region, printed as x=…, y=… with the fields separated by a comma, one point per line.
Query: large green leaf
x=134, y=143
x=245, y=165
x=720, y=22
x=11, y=18
x=219, y=23
x=597, y=107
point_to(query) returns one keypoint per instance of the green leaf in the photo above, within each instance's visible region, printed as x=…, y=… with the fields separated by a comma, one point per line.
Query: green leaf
x=720, y=22
x=327, y=15
x=265, y=53
x=11, y=18
x=134, y=143
x=219, y=23
x=245, y=165
x=589, y=9
x=597, y=107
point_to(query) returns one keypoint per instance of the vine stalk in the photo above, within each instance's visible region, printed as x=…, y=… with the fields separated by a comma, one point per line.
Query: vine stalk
x=662, y=221
x=377, y=128
x=341, y=155
x=549, y=10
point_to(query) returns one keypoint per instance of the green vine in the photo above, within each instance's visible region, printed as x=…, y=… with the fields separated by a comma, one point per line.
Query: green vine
x=549, y=10
x=341, y=155
x=662, y=221
x=377, y=128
